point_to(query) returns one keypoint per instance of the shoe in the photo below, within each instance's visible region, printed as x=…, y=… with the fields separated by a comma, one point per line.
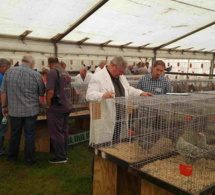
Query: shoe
x=55, y=160
x=3, y=153
x=29, y=163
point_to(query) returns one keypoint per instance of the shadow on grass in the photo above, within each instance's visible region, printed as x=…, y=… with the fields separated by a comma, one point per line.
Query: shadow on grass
x=43, y=178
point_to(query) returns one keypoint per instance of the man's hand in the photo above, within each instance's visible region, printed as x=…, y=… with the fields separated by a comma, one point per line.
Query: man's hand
x=5, y=111
x=108, y=94
x=146, y=94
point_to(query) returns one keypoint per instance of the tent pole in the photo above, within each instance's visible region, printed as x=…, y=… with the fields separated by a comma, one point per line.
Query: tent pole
x=212, y=67
x=55, y=49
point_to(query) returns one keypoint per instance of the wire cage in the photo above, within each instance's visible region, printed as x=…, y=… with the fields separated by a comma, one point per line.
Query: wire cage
x=133, y=83
x=133, y=77
x=79, y=102
x=181, y=150
x=181, y=86
x=165, y=137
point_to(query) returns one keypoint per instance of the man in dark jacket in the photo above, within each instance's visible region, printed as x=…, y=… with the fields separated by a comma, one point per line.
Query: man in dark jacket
x=59, y=106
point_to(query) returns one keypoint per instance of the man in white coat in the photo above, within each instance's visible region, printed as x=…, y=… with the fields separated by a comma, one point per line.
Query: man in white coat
x=83, y=77
x=101, y=66
x=109, y=83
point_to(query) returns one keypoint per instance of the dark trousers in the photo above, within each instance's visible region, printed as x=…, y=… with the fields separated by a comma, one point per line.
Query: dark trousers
x=59, y=134
x=3, y=130
x=17, y=124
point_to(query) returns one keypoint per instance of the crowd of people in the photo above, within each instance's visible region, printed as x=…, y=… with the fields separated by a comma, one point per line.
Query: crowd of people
x=23, y=89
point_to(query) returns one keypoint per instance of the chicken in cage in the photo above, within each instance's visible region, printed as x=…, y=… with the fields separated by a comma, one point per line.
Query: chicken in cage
x=181, y=152
x=79, y=97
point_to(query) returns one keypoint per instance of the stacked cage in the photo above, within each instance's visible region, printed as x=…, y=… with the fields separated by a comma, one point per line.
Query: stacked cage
x=168, y=138
x=180, y=148
x=118, y=126
x=181, y=86
x=79, y=102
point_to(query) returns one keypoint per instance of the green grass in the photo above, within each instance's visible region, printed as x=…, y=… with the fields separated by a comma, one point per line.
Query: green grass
x=43, y=178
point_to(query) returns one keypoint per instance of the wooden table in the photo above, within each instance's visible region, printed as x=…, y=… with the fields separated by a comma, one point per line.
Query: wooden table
x=112, y=179
x=113, y=176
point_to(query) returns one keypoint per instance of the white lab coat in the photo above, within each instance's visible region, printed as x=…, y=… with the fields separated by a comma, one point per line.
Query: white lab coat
x=102, y=128
x=81, y=89
x=79, y=80
x=97, y=69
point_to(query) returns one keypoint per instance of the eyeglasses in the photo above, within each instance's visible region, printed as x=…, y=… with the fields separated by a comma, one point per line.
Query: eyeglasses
x=121, y=72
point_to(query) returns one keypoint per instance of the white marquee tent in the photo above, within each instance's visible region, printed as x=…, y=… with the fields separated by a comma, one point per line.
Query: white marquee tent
x=90, y=30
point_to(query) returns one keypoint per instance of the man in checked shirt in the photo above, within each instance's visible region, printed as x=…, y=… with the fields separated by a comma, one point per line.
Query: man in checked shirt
x=155, y=82
x=20, y=93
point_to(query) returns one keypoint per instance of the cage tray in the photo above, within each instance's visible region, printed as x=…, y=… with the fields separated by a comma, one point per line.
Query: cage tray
x=135, y=170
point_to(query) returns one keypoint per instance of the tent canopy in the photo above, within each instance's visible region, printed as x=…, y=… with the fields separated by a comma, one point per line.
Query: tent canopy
x=187, y=25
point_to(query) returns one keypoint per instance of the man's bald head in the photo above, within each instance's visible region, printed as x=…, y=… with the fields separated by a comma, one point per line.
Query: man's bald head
x=102, y=64
x=83, y=72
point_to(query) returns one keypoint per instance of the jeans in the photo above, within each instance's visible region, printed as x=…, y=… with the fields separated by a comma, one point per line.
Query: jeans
x=17, y=124
x=59, y=134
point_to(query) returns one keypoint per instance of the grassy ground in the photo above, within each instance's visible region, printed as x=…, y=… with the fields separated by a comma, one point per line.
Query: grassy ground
x=43, y=178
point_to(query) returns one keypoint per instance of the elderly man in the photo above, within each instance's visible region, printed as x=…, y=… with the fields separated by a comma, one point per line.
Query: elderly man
x=4, y=66
x=83, y=77
x=101, y=66
x=110, y=83
x=59, y=106
x=20, y=93
x=155, y=82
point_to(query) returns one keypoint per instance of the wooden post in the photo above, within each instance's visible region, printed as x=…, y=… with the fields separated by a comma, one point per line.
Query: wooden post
x=105, y=177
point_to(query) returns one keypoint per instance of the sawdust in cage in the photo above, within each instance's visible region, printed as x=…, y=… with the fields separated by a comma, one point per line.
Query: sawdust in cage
x=133, y=152
x=168, y=170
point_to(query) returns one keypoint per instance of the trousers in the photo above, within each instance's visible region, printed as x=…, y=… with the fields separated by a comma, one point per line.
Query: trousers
x=17, y=125
x=59, y=132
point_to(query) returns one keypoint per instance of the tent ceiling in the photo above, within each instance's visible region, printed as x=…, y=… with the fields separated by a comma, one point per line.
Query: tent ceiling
x=124, y=23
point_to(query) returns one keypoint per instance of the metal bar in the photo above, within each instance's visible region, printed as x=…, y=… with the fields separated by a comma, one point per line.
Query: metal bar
x=125, y=45
x=143, y=46
x=212, y=67
x=154, y=58
x=55, y=50
x=83, y=40
x=26, y=33
x=186, y=35
x=106, y=43
x=82, y=19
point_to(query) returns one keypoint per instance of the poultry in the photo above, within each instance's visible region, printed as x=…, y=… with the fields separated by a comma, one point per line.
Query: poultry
x=209, y=151
x=188, y=151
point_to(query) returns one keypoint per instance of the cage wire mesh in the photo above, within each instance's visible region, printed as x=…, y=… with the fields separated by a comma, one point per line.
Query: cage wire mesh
x=181, y=86
x=133, y=83
x=79, y=102
x=181, y=150
x=158, y=135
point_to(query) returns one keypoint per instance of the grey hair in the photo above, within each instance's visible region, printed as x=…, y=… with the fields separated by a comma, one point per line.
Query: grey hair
x=4, y=62
x=28, y=58
x=119, y=61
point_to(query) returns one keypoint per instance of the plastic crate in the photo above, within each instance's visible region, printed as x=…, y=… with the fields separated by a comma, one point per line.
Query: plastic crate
x=78, y=138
